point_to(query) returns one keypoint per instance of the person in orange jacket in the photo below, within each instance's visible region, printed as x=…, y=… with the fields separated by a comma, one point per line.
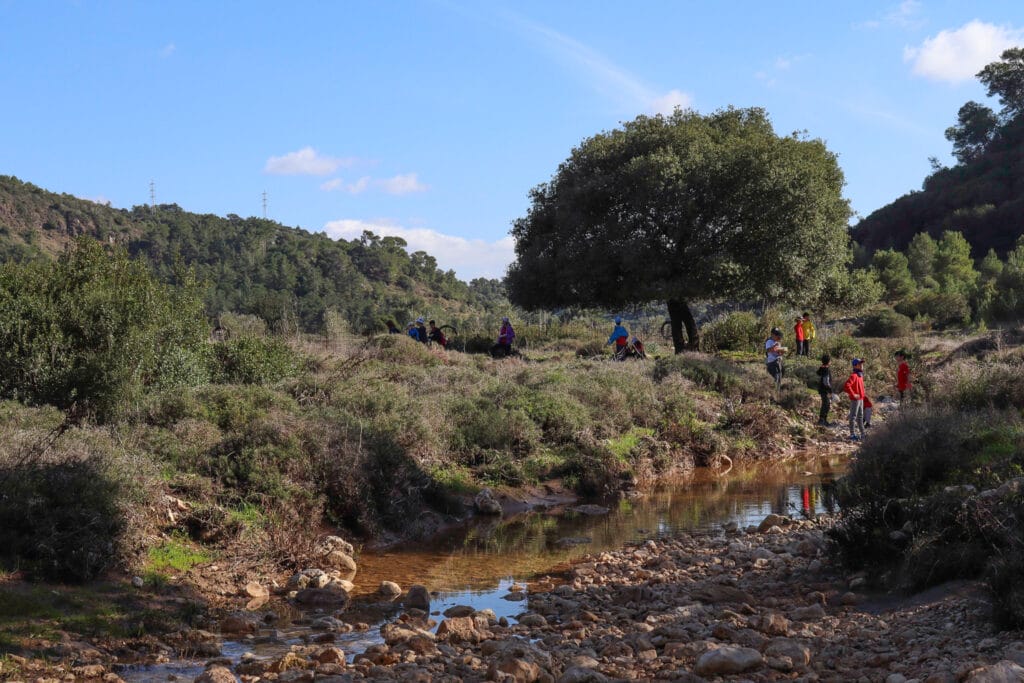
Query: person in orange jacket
x=854, y=388
x=798, y=330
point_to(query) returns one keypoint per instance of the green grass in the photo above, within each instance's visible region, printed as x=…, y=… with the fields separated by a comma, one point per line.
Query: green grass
x=175, y=554
x=625, y=444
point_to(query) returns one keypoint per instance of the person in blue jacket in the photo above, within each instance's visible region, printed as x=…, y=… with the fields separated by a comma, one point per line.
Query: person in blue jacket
x=619, y=337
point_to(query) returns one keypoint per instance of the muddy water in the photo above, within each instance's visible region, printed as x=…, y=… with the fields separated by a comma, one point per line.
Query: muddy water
x=476, y=563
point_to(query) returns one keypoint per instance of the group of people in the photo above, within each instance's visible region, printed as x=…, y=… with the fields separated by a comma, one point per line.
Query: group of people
x=420, y=332
x=804, y=332
x=625, y=346
x=860, y=405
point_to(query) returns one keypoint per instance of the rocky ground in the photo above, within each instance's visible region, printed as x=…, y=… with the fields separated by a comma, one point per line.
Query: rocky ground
x=762, y=604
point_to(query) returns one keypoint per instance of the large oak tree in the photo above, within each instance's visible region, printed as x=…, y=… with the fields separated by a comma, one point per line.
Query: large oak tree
x=679, y=209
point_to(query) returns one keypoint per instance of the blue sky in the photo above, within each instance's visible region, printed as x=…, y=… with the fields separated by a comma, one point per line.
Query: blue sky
x=432, y=119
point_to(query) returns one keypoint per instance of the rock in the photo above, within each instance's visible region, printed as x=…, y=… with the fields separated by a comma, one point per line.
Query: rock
x=418, y=597
x=809, y=613
x=941, y=677
x=397, y=633
x=459, y=611
x=339, y=560
x=532, y=620
x=728, y=660
x=322, y=597
x=331, y=543
x=328, y=624
x=464, y=629
x=521, y=670
x=255, y=590
x=389, y=589
x=1001, y=672
x=851, y=598
x=138, y=581
x=591, y=510
x=796, y=651
x=770, y=521
x=774, y=624
x=237, y=623
x=715, y=593
x=216, y=674
x=331, y=655
x=486, y=503
x=579, y=674
x=288, y=661
x=896, y=678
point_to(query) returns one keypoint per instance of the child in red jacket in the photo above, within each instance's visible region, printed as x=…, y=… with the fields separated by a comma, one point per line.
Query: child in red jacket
x=902, y=375
x=854, y=388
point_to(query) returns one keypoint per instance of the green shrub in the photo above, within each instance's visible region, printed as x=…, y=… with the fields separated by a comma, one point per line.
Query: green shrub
x=944, y=310
x=63, y=520
x=904, y=503
x=842, y=347
x=886, y=323
x=254, y=360
x=739, y=331
x=94, y=330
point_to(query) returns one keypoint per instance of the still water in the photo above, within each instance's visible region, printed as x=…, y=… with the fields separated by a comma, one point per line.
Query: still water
x=476, y=563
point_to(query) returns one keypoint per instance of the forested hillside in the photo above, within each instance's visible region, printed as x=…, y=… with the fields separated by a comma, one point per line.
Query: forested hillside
x=982, y=196
x=288, y=276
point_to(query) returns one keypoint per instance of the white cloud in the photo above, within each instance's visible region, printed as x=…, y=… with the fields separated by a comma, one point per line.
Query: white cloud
x=957, y=55
x=306, y=161
x=399, y=184
x=402, y=184
x=605, y=75
x=906, y=15
x=469, y=258
x=668, y=102
x=168, y=50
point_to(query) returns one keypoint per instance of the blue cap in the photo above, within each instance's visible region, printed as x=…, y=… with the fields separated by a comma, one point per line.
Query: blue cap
x=856, y=361
x=618, y=319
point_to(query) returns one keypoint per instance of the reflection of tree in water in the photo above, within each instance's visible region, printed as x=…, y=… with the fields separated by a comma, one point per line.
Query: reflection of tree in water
x=487, y=550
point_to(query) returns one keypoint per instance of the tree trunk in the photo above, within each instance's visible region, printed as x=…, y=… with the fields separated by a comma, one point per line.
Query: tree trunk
x=679, y=314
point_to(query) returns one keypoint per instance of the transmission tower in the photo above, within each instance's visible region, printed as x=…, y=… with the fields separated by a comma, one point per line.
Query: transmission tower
x=152, y=193
x=264, y=205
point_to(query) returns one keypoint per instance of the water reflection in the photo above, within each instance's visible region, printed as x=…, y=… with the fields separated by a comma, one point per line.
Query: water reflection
x=476, y=556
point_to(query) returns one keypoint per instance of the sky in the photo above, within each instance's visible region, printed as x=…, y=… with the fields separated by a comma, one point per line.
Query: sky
x=432, y=119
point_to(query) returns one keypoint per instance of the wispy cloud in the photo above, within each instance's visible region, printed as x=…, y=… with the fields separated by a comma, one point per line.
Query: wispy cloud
x=168, y=50
x=468, y=258
x=605, y=76
x=406, y=183
x=957, y=55
x=306, y=161
x=906, y=15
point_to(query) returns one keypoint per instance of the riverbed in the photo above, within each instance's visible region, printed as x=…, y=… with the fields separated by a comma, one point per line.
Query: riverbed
x=477, y=562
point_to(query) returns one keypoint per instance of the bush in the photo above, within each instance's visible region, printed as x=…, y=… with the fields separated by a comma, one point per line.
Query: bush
x=63, y=519
x=886, y=323
x=254, y=360
x=842, y=347
x=94, y=330
x=716, y=374
x=740, y=331
x=907, y=503
x=944, y=310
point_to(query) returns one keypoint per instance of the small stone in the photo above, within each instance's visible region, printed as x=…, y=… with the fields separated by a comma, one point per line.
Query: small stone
x=138, y=581
x=728, y=660
x=418, y=597
x=389, y=589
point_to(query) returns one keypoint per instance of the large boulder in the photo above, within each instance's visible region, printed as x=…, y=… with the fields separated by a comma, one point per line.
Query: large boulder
x=464, y=629
x=418, y=597
x=1001, y=672
x=216, y=674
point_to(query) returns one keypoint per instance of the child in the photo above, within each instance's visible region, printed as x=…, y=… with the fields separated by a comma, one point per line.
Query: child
x=798, y=330
x=854, y=388
x=809, y=334
x=825, y=390
x=773, y=352
x=902, y=375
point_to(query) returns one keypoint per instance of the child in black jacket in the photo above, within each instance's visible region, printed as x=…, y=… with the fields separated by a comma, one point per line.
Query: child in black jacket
x=825, y=390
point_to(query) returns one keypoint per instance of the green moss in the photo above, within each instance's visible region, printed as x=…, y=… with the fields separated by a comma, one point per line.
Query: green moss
x=176, y=554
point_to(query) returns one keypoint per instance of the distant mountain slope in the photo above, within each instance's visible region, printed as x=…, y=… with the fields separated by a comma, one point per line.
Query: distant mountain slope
x=287, y=276
x=983, y=199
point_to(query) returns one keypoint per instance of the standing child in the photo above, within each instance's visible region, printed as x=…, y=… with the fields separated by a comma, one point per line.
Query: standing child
x=773, y=352
x=798, y=330
x=902, y=375
x=809, y=333
x=854, y=388
x=825, y=390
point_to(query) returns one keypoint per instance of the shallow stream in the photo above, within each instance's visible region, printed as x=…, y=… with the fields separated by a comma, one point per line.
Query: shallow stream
x=476, y=563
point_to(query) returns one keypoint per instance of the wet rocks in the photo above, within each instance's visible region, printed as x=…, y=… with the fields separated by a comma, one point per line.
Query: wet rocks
x=728, y=660
x=332, y=596
x=389, y=589
x=418, y=597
